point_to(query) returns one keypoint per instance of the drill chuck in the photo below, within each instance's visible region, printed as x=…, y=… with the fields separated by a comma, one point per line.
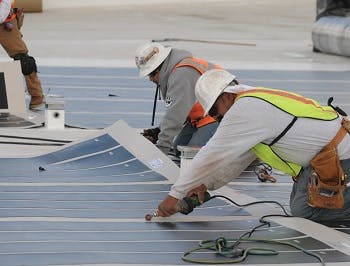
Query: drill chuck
x=187, y=204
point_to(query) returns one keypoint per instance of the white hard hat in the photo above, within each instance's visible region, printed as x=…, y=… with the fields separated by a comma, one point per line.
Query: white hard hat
x=210, y=85
x=149, y=56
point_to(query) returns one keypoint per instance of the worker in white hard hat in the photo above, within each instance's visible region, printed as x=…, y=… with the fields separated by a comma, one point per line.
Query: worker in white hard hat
x=176, y=72
x=291, y=133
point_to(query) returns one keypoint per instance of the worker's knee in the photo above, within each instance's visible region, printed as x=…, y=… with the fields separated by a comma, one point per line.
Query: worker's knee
x=296, y=210
x=300, y=208
x=28, y=64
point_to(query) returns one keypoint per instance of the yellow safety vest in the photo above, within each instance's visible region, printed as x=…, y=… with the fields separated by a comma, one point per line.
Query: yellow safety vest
x=294, y=104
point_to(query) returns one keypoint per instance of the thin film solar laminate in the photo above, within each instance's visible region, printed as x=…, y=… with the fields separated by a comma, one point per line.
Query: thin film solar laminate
x=75, y=213
x=87, y=207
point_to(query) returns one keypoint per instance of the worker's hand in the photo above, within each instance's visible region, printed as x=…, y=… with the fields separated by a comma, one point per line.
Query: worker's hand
x=19, y=17
x=167, y=207
x=151, y=134
x=19, y=12
x=199, y=191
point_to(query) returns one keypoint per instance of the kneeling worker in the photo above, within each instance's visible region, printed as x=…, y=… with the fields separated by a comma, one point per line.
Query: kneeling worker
x=11, y=20
x=175, y=72
x=292, y=133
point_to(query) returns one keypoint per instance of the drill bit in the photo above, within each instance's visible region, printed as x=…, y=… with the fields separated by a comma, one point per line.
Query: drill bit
x=148, y=217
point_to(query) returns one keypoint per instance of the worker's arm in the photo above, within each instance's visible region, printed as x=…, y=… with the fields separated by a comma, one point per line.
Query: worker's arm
x=198, y=185
x=178, y=103
x=224, y=157
x=227, y=154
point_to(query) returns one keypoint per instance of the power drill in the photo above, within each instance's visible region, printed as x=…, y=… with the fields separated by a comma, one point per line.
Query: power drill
x=184, y=206
x=187, y=204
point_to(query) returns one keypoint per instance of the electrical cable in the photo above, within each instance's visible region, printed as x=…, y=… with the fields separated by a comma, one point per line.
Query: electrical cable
x=65, y=125
x=228, y=248
x=252, y=203
x=262, y=220
x=222, y=248
x=155, y=104
x=79, y=127
x=31, y=143
x=31, y=138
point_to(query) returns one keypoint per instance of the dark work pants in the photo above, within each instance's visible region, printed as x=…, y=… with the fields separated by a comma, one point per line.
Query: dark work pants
x=194, y=137
x=13, y=44
x=298, y=199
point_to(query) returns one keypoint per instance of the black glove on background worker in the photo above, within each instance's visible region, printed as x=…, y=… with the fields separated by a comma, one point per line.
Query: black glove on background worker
x=151, y=134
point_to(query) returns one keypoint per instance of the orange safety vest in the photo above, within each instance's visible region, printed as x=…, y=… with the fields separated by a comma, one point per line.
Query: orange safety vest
x=195, y=116
x=11, y=15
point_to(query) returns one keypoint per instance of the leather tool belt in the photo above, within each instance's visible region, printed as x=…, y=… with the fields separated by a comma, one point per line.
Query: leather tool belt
x=327, y=180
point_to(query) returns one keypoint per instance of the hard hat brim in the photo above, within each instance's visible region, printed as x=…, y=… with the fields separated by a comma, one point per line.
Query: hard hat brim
x=160, y=59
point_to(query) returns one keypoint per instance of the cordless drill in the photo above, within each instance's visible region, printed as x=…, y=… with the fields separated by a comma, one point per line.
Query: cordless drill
x=184, y=206
x=187, y=204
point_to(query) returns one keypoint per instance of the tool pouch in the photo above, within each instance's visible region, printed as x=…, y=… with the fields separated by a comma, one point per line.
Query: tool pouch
x=327, y=180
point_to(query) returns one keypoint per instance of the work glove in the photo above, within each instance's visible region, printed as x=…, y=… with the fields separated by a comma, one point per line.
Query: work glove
x=151, y=134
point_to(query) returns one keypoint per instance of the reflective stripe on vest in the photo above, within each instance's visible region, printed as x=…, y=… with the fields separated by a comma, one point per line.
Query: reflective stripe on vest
x=196, y=114
x=294, y=104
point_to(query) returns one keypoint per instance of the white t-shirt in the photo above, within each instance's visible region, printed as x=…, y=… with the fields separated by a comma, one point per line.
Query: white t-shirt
x=5, y=7
x=248, y=122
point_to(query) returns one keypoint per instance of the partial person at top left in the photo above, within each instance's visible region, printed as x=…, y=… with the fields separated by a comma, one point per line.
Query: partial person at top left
x=11, y=21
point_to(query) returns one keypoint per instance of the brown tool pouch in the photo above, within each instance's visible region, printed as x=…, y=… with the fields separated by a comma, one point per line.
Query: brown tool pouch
x=327, y=180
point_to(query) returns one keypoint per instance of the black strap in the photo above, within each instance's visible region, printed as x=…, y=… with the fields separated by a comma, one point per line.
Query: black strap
x=329, y=103
x=284, y=131
x=336, y=108
x=154, y=105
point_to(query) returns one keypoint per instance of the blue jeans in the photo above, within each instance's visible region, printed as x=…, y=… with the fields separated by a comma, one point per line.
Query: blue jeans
x=300, y=208
x=195, y=137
